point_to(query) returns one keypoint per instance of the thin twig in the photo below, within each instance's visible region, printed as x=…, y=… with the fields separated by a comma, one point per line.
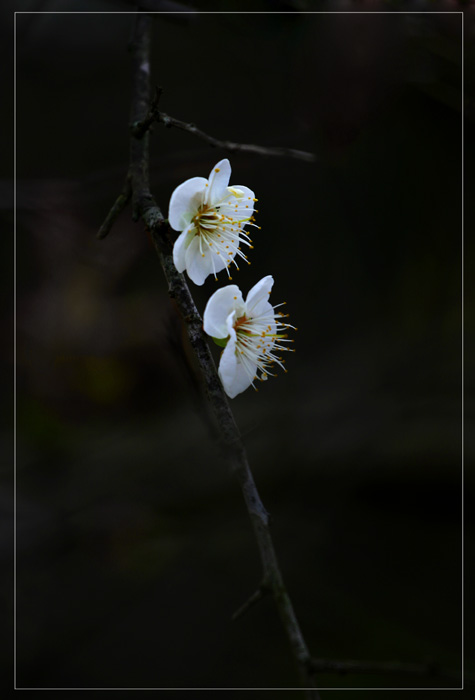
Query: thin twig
x=139, y=128
x=118, y=206
x=252, y=600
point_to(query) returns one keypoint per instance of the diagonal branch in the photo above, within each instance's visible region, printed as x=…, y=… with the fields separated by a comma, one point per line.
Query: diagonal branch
x=141, y=127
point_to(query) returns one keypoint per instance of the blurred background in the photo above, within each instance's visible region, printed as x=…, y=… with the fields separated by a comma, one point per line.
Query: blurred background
x=134, y=547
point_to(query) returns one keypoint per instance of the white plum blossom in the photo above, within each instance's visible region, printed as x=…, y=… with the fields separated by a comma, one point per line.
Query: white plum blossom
x=211, y=217
x=250, y=331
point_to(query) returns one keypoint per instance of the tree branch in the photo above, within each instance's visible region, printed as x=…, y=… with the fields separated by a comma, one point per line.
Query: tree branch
x=137, y=187
x=139, y=128
x=146, y=208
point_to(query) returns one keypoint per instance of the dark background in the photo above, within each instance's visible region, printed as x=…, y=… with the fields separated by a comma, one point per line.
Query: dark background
x=133, y=544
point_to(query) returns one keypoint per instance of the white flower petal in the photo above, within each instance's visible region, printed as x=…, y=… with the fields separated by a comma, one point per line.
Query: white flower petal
x=237, y=374
x=219, y=262
x=218, y=181
x=257, y=300
x=197, y=266
x=220, y=305
x=241, y=380
x=228, y=364
x=179, y=249
x=185, y=201
x=234, y=374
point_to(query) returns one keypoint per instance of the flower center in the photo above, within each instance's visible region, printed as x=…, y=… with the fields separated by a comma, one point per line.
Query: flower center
x=239, y=322
x=206, y=219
